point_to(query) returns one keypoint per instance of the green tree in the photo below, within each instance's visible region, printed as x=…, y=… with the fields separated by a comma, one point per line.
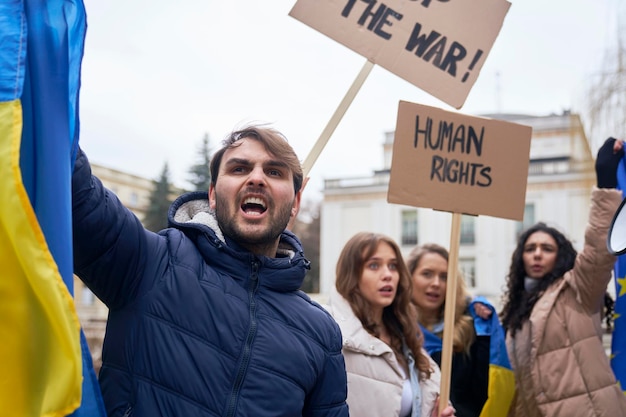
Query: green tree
x=160, y=200
x=199, y=174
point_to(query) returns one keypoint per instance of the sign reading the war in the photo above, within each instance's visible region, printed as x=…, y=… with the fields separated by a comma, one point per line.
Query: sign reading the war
x=437, y=45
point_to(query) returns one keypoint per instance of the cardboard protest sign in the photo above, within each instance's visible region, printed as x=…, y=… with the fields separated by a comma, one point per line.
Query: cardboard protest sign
x=457, y=163
x=437, y=45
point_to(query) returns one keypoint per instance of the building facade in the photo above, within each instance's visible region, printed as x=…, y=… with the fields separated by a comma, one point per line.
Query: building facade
x=560, y=178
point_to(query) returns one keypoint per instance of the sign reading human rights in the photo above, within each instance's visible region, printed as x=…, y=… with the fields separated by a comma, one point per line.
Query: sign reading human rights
x=437, y=45
x=457, y=163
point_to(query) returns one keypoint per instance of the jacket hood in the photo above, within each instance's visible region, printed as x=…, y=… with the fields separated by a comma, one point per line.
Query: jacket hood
x=191, y=214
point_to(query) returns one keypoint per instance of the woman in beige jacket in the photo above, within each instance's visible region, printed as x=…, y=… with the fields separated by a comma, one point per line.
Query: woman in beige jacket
x=552, y=310
x=389, y=374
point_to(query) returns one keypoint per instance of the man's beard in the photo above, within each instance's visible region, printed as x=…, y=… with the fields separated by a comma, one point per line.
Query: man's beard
x=264, y=238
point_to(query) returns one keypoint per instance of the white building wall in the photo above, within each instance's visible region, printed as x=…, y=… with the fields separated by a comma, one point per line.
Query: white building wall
x=345, y=219
x=495, y=241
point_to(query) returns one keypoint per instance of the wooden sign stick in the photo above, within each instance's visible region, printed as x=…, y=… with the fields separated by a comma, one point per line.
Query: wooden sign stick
x=336, y=118
x=448, y=315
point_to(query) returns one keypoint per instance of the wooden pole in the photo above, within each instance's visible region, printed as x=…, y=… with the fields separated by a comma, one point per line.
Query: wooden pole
x=448, y=317
x=336, y=118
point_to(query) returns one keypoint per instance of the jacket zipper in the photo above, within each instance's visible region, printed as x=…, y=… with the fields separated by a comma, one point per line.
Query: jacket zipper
x=247, y=349
x=129, y=411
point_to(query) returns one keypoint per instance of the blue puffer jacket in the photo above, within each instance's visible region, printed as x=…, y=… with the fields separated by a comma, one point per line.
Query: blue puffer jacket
x=197, y=325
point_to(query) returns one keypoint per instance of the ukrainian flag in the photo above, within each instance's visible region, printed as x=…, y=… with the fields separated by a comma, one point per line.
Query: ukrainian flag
x=618, y=340
x=501, y=387
x=43, y=371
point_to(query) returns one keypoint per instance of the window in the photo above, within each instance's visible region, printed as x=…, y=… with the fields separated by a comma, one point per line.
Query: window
x=529, y=219
x=134, y=199
x=468, y=232
x=468, y=268
x=409, y=227
x=86, y=297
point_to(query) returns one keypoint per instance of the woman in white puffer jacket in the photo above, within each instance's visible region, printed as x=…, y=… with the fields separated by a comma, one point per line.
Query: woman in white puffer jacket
x=389, y=373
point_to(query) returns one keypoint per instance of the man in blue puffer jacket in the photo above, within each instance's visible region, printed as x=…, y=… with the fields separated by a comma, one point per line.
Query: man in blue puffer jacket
x=206, y=317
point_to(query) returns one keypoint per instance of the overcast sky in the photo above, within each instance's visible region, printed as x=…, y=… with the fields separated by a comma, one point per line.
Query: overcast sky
x=157, y=75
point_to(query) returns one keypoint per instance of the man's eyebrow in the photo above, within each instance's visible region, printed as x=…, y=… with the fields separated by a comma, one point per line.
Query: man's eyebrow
x=276, y=163
x=237, y=161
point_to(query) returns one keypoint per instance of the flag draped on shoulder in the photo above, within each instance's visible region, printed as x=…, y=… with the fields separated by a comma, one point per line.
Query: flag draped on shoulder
x=618, y=340
x=43, y=372
x=501, y=387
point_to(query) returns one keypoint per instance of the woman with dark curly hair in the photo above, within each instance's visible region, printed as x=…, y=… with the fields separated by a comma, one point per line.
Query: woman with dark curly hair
x=389, y=372
x=560, y=256
x=552, y=312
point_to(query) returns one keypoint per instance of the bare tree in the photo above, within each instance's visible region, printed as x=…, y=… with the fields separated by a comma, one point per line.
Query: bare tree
x=606, y=94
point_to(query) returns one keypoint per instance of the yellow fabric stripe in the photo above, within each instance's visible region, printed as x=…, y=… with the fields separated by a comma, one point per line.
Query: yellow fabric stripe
x=500, y=392
x=41, y=368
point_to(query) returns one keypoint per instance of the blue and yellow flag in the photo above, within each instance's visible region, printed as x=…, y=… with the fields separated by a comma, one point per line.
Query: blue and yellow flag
x=501, y=387
x=618, y=341
x=43, y=371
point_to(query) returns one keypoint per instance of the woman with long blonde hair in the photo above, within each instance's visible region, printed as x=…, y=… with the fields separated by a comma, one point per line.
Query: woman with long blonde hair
x=428, y=266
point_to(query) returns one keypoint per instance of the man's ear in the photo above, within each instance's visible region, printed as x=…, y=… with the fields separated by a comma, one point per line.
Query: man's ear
x=295, y=209
x=211, y=197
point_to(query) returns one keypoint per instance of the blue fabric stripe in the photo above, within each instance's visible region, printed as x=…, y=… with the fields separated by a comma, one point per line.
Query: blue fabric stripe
x=13, y=50
x=432, y=342
x=56, y=33
x=492, y=328
x=618, y=341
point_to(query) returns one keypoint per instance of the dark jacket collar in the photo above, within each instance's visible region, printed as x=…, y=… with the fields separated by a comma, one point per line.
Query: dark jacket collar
x=191, y=214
